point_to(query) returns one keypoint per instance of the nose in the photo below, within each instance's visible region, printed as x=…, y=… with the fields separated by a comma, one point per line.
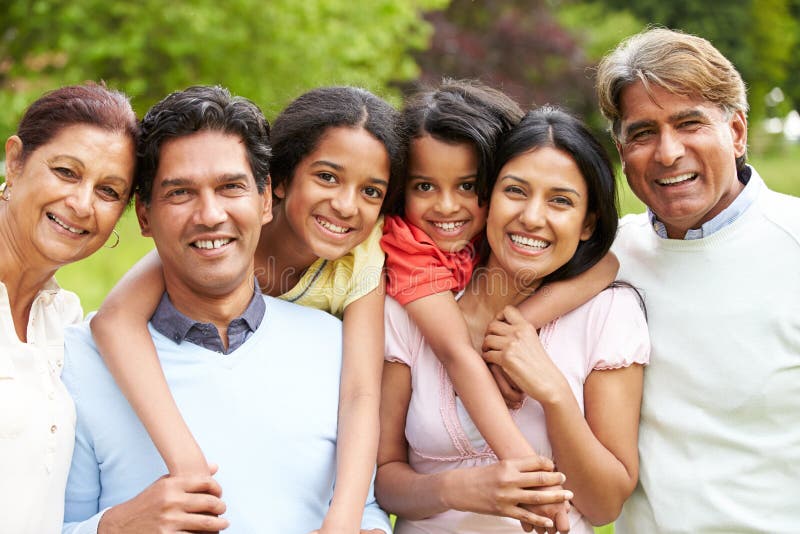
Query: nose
x=79, y=199
x=670, y=148
x=344, y=202
x=533, y=215
x=446, y=203
x=210, y=210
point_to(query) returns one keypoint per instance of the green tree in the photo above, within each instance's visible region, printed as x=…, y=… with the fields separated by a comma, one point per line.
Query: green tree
x=758, y=36
x=267, y=51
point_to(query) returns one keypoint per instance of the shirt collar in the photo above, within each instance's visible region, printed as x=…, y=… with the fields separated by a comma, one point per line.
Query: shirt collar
x=743, y=200
x=176, y=326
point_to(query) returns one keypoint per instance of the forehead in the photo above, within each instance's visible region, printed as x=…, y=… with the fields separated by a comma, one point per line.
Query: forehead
x=545, y=167
x=638, y=102
x=202, y=155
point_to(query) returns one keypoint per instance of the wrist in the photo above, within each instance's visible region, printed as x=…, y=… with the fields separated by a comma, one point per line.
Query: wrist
x=107, y=523
x=337, y=520
x=447, y=489
x=557, y=395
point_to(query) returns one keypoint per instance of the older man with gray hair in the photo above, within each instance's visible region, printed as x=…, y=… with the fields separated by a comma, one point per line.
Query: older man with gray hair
x=717, y=258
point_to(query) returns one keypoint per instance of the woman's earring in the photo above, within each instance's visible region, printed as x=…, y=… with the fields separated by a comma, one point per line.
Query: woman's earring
x=4, y=192
x=116, y=235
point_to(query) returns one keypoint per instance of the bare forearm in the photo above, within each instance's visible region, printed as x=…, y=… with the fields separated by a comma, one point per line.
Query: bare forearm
x=559, y=298
x=132, y=360
x=357, y=448
x=402, y=491
x=441, y=323
x=598, y=479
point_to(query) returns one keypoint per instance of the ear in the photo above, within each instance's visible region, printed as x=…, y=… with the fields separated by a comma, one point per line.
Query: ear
x=13, y=158
x=621, y=153
x=280, y=190
x=267, y=215
x=738, y=124
x=143, y=217
x=588, y=226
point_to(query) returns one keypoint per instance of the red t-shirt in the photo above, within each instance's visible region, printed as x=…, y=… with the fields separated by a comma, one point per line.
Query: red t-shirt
x=416, y=267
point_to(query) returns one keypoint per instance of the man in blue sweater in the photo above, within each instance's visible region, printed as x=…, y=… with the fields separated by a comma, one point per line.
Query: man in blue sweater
x=237, y=363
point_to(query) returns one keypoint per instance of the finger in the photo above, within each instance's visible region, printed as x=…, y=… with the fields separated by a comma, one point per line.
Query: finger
x=536, y=497
x=513, y=316
x=512, y=397
x=500, y=328
x=494, y=342
x=492, y=356
x=526, y=516
x=203, y=503
x=535, y=462
x=202, y=523
x=561, y=522
x=540, y=479
x=200, y=484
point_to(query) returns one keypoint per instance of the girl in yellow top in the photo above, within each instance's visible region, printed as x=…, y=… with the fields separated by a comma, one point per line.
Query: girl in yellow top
x=333, y=153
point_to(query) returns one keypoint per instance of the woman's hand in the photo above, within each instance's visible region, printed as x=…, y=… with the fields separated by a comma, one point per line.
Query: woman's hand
x=509, y=488
x=513, y=344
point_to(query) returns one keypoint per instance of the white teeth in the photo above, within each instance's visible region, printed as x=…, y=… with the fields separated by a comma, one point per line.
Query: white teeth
x=450, y=226
x=211, y=244
x=332, y=227
x=675, y=179
x=64, y=225
x=529, y=242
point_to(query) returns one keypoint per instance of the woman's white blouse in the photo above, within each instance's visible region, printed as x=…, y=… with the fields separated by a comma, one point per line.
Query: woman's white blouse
x=37, y=415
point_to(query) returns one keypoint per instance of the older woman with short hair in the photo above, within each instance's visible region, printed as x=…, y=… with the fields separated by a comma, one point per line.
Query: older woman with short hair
x=69, y=176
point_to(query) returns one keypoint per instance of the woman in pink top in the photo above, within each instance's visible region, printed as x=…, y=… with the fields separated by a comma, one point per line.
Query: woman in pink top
x=552, y=215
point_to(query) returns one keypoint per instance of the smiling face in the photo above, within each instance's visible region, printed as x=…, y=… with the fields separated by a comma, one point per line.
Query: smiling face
x=334, y=198
x=537, y=215
x=67, y=195
x=440, y=194
x=679, y=155
x=205, y=214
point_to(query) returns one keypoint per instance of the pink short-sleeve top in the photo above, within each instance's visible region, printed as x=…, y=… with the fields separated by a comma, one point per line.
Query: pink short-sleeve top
x=607, y=332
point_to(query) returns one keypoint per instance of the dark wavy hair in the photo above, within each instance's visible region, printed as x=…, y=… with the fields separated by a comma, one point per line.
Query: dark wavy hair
x=458, y=111
x=551, y=127
x=296, y=132
x=200, y=108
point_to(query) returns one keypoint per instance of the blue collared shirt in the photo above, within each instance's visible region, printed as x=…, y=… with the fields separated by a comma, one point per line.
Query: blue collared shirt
x=739, y=205
x=178, y=327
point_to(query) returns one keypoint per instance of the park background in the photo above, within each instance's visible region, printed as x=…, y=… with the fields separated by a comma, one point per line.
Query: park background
x=538, y=51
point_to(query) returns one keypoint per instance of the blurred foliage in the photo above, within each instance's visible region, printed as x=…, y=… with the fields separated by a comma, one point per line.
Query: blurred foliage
x=760, y=37
x=267, y=51
x=518, y=46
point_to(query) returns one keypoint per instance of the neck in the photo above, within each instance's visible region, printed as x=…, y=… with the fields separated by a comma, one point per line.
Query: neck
x=22, y=277
x=218, y=308
x=281, y=260
x=489, y=291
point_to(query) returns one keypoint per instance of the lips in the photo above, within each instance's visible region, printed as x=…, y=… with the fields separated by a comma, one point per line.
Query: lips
x=678, y=179
x=528, y=242
x=210, y=244
x=449, y=226
x=331, y=227
x=64, y=225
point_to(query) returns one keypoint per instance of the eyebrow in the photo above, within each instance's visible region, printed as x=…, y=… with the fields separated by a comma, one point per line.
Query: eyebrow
x=675, y=117
x=77, y=161
x=526, y=182
x=336, y=166
x=222, y=179
x=413, y=177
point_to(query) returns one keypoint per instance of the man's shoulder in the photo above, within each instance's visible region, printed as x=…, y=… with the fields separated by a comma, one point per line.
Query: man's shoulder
x=783, y=211
x=84, y=369
x=631, y=228
x=294, y=316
